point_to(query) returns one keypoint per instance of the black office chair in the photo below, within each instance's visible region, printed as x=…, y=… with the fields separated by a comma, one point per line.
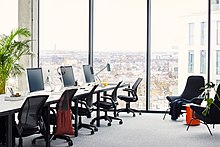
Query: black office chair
x=131, y=97
x=85, y=109
x=66, y=96
x=193, y=89
x=108, y=103
x=213, y=117
x=30, y=118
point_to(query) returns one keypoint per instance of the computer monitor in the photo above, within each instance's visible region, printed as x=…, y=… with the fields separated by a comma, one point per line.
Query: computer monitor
x=67, y=76
x=89, y=74
x=35, y=79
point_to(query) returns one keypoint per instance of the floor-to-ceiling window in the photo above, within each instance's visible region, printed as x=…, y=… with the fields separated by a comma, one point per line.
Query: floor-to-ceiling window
x=178, y=47
x=120, y=39
x=64, y=31
x=215, y=40
x=9, y=22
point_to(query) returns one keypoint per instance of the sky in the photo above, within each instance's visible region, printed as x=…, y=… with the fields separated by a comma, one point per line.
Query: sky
x=119, y=25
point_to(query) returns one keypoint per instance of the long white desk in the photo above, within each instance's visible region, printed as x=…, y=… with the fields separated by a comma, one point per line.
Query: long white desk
x=8, y=108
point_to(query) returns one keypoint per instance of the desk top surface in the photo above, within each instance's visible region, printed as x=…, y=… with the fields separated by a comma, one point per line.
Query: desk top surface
x=9, y=105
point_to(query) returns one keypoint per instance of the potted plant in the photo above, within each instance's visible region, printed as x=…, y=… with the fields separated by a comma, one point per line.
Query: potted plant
x=12, y=48
x=209, y=100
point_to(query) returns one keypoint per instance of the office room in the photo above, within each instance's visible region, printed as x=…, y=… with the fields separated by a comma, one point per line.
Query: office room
x=131, y=57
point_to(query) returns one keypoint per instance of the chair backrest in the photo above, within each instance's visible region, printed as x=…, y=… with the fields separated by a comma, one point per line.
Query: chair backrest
x=193, y=87
x=66, y=98
x=114, y=92
x=31, y=110
x=214, y=108
x=88, y=97
x=135, y=85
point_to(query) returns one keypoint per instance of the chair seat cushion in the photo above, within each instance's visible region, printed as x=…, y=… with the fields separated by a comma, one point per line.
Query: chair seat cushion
x=81, y=111
x=127, y=98
x=104, y=105
x=25, y=130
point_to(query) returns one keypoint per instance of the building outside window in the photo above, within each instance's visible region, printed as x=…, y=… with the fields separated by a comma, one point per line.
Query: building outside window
x=218, y=62
x=174, y=45
x=218, y=32
x=191, y=61
x=203, y=33
x=191, y=33
x=202, y=61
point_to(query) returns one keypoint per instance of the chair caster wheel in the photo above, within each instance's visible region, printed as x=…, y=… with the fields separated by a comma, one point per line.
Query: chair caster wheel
x=139, y=113
x=120, y=122
x=117, y=114
x=96, y=129
x=91, y=123
x=70, y=143
x=109, y=124
x=133, y=115
x=92, y=132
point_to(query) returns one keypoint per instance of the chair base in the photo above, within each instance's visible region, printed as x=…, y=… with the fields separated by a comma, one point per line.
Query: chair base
x=202, y=122
x=128, y=110
x=107, y=118
x=54, y=137
x=166, y=113
x=88, y=126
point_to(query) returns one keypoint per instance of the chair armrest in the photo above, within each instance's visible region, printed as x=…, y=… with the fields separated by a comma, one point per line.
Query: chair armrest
x=172, y=98
x=83, y=103
x=109, y=98
x=128, y=90
x=53, y=110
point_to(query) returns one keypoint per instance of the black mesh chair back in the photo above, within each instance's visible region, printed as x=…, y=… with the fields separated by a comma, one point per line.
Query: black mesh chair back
x=107, y=103
x=131, y=97
x=30, y=117
x=193, y=87
x=89, y=99
x=114, y=95
x=134, y=88
x=135, y=85
x=31, y=110
x=66, y=96
x=85, y=103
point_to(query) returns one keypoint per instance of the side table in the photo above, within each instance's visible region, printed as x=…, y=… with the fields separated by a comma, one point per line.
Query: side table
x=189, y=116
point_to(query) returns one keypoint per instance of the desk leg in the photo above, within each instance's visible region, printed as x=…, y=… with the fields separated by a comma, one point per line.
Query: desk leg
x=9, y=130
x=76, y=117
x=47, y=124
x=98, y=110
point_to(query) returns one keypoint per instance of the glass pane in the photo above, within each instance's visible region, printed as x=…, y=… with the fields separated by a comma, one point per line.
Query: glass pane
x=9, y=21
x=215, y=43
x=120, y=39
x=178, y=45
x=64, y=35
